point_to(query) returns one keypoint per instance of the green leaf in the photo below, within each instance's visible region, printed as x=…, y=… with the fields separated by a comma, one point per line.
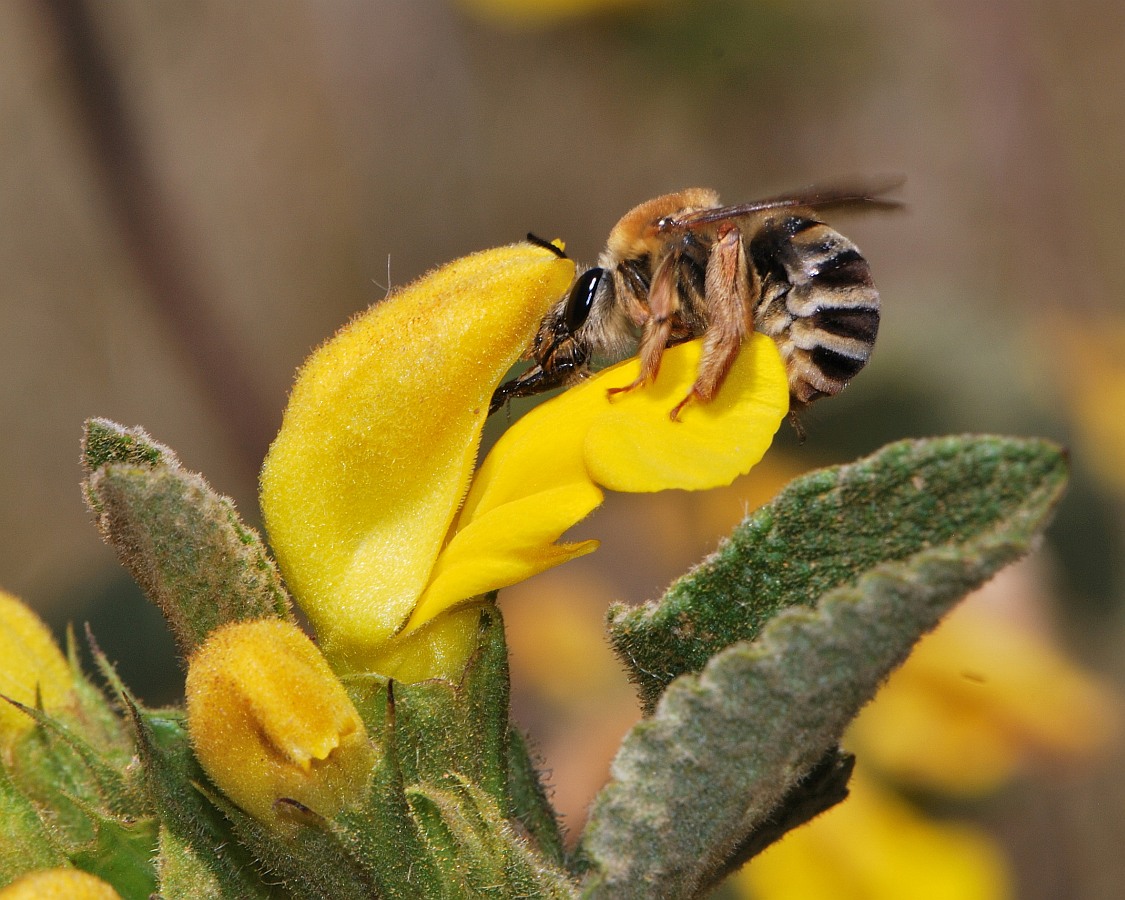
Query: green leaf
x=198, y=837
x=57, y=767
x=121, y=855
x=827, y=529
x=183, y=874
x=26, y=844
x=528, y=803
x=183, y=543
x=107, y=442
x=447, y=731
x=441, y=791
x=712, y=767
x=312, y=863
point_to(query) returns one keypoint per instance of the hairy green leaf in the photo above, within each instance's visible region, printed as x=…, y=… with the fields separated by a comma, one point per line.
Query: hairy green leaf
x=827, y=529
x=26, y=843
x=203, y=851
x=184, y=544
x=693, y=784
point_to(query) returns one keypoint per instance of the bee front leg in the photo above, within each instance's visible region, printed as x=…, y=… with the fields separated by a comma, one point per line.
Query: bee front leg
x=663, y=303
x=731, y=288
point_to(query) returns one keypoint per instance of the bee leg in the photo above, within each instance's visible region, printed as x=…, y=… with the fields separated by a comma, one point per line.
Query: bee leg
x=731, y=287
x=663, y=303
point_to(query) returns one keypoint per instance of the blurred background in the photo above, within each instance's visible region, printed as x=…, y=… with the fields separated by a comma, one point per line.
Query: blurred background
x=194, y=195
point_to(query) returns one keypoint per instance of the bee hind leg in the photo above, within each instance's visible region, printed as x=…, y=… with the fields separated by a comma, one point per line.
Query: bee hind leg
x=731, y=287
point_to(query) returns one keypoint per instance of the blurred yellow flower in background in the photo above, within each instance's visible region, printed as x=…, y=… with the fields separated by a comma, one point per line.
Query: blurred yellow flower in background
x=977, y=701
x=1088, y=363
x=876, y=846
x=543, y=13
x=980, y=699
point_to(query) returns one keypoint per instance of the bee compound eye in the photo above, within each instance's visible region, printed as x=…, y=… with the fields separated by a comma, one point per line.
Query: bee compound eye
x=581, y=298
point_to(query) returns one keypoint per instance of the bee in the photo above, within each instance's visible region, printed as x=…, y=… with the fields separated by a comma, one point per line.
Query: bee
x=683, y=266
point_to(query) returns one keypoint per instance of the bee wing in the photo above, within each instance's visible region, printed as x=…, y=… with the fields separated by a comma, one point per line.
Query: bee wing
x=854, y=192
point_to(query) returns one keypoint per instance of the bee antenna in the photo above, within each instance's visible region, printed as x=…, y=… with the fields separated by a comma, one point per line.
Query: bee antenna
x=546, y=245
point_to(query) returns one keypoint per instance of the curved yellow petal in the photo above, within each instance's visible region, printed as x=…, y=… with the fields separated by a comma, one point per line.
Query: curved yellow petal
x=380, y=435
x=543, y=474
x=634, y=446
x=506, y=545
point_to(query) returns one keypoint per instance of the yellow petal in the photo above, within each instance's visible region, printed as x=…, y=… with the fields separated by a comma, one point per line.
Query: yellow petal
x=269, y=721
x=438, y=649
x=58, y=884
x=543, y=474
x=32, y=668
x=380, y=436
x=634, y=446
x=874, y=846
x=507, y=545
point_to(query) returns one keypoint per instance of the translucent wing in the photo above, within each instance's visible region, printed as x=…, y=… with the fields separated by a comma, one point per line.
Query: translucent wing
x=865, y=193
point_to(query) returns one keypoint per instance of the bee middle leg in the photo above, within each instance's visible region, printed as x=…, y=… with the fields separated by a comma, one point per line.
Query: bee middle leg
x=663, y=304
x=731, y=286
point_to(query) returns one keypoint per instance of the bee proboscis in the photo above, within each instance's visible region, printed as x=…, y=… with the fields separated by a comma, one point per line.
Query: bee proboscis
x=683, y=265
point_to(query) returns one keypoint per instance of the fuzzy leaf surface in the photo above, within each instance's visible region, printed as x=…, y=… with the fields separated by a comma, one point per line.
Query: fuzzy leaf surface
x=184, y=543
x=26, y=843
x=692, y=784
x=826, y=530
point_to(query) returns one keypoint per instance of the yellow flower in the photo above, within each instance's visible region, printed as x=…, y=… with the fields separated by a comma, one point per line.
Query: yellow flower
x=58, y=884
x=540, y=13
x=977, y=700
x=1085, y=358
x=875, y=846
x=270, y=722
x=32, y=668
x=361, y=489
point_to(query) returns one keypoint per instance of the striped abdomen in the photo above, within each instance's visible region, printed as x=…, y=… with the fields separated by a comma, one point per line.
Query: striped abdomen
x=817, y=302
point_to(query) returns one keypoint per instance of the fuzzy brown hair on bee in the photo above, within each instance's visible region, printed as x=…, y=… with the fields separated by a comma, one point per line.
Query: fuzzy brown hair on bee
x=683, y=266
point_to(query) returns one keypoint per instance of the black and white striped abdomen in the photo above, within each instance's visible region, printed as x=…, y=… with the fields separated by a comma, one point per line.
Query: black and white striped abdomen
x=818, y=303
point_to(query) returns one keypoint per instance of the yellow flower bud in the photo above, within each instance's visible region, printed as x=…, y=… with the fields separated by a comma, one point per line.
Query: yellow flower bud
x=31, y=664
x=270, y=721
x=58, y=884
